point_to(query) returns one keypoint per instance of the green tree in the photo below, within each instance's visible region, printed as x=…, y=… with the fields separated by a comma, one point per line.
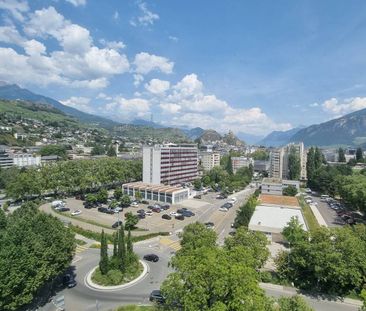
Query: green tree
x=102, y=196
x=318, y=158
x=138, y=196
x=97, y=150
x=363, y=297
x=294, y=166
x=245, y=212
x=54, y=150
x=35, y=249
x=229, y=166
x=2, y=219
x=125, y=201
x=121, y=250
x=294, y=303
x=115, y=245
x=294, y=232
x=118, y=193
x=197, y=184
x=289, y=191
x=131, y=220
x=359, y=154
x=129, y=248
x=103, y=263
x=341, y=155
x=111, y=151
x=260, y=154
x=91, y=198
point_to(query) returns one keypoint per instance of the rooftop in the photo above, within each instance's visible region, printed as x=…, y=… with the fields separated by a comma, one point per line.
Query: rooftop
x=279, y=200
x=274, y=218
x=158, y=188
x=271, y=181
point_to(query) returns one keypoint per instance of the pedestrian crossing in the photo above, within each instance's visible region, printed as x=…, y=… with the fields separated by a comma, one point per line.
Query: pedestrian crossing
x=80, y=248
x=174, y=245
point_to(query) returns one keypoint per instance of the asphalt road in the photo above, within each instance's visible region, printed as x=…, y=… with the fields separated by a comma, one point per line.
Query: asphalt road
x=330, y=216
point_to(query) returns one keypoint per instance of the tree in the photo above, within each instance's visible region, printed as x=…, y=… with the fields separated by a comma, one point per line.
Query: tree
x=341, y=155
x=260, y=154
x=35, y=249
x=359, y=154
x=2, y=220
x=131, y=221
x=290, y=191
x=138, y=195
x=197, y=184
x=115, y=245
x=103, y=263
x=102, y=196
x=294, y=166
x=125, y=201
x=294, y=303
x=97, y=150
x=118, y=193
x=129, y=248
x=245, y=212
x=54, y=150
x=91, y=199
x=294, y=232
x=363, y=297
x=121, y=249
x=111, y=151
x=229, y=166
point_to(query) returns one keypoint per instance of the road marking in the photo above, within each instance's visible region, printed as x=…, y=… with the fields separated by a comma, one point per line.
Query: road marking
x=79, y=249
x=175, y=245
x=76, y=259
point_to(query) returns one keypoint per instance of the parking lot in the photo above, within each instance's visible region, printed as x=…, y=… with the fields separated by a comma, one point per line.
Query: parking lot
x=205, y=209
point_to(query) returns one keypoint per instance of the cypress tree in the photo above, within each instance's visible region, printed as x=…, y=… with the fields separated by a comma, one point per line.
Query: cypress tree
x=115, y=245
x=103, y=263
x=122, y=249
x=129, y=247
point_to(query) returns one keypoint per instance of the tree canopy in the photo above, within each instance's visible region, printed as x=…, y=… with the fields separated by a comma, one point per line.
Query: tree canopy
x=294, y=166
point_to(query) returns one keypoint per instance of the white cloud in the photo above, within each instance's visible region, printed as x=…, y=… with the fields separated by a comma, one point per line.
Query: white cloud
x=34, y=47
x=80, y=103
x=156, y=86
x=170, y=108
x=137, y=79
x=77, y=2
x=146, y=63
x=313, y=105
x=335, y=107
x=189, y=85
x=173, y=38
x=15, y=7
x=9, y=34
x=115, y=15
x=127, y=109
x=115, y=45
x=104, y=96
x=146, y=18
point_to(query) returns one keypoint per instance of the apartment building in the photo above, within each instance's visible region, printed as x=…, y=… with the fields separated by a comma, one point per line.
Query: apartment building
x=279, y=161
x=8, y=158
x=239, y=162
x=170, y=164
x=209, y=160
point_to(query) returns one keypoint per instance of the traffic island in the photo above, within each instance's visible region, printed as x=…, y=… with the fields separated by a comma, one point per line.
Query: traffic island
x=114, y=279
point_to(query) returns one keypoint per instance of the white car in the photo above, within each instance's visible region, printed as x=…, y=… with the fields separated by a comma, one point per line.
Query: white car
x=75, y=213
x=118, y=209
x=148, y=213
x=134, y=204
x=308, y=201
x=174, y=214
x=232, y=200
x=223, y=209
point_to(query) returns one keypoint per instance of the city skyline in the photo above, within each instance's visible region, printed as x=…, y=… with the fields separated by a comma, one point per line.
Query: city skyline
x=251, y=68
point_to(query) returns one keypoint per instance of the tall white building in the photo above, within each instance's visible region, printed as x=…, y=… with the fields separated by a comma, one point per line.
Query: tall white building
x=209, y=160
x=279, y=161
x=239, y=162
x=170, y=164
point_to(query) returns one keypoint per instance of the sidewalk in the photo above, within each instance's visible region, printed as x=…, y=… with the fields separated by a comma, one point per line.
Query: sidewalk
x=317, y=215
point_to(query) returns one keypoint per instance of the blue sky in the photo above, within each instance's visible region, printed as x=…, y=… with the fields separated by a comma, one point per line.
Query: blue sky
x=248, y=66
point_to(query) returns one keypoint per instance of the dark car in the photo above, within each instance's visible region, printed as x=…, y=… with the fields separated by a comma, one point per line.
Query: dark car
x=102, y=209
x=69, y=280
x=144, y=202
x=117, y=224
x=141, y=211
x=141, y=216
x=209, y=225
x=197, y=196
x=109, y=211
x=63, y=209
x=179, y=217
x=227, y=205
x=182, y=210
x=166, y=216
x=156, y=209
x=187, y=213
x=150, y=207
x=165, y=207
x=156, y=296
x=151, y=257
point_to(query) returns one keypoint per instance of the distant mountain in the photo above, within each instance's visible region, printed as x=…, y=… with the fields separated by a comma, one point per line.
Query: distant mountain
x=211, y=136
x=193, y=133
x=347, y=130
x=279, y=138
x=250, y=138
x=14, y=92
x=147, y=123
x=232, y=140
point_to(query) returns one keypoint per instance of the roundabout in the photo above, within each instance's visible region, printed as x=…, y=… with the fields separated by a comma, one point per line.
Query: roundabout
x=92, y=285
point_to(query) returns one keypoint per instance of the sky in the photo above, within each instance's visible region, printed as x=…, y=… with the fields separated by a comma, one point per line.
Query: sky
x=246, y=66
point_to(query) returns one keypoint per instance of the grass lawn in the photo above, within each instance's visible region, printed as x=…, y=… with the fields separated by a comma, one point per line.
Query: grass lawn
x=310, y=219
x=116, y=277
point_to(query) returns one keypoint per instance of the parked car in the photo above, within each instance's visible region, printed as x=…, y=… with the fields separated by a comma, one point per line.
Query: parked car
x=223, y=209
x=156, y=209
x=227, y=205
x=165, y=207
x=134, y=204
x=232, y=200
x=166, y=216
x=187, y=213
x=141, y=216
x=144, y=202
x=151, y=257
x=156, y=296
x=150, y=207
x=148, y=213
x=220, y=197
x=174, y=214
x=117, y=209
x=210, y=225
x=63, y=209
x=109, y=211
x=75, y=213
x=102, y=209
x=179, y=217
x=141, y=211
x=198, y=196
x=69, y=280
x=117, y=224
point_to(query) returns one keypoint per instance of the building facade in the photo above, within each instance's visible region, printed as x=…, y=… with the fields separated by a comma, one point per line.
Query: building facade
x=275, y=186
x=239, y=162
x=170, y=164
x=209, y=160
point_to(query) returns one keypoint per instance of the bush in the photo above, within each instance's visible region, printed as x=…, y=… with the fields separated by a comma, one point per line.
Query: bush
x=289, y=191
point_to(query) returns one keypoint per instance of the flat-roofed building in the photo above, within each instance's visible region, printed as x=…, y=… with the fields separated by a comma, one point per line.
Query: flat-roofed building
x=272, y=219
x=239, y=162
x=209, y=160
x=160, y=193
x=261, y=165
x=170, y=164
x=275, y=185
x=276, y=163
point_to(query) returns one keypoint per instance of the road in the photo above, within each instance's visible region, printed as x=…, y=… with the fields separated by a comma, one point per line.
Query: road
x=329, y=215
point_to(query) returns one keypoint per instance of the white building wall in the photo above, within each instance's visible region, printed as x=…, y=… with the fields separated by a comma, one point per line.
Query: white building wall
x=151, y=159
